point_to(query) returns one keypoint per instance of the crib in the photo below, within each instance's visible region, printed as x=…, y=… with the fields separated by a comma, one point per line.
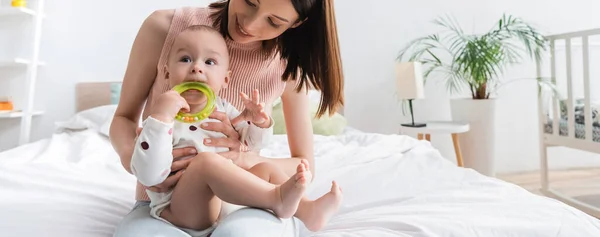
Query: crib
x=569, y=120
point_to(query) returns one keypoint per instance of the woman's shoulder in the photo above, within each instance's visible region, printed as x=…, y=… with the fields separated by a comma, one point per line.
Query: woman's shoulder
x=193, y=15
x=159, y=21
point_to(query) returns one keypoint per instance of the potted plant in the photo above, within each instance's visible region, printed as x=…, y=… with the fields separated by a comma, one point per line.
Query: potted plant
x=475, y=62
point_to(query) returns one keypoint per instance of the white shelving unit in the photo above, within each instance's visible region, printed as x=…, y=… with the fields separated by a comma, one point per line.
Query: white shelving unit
x=14, y=11
x=18, y=114
x=25, y=111
x=17, y=62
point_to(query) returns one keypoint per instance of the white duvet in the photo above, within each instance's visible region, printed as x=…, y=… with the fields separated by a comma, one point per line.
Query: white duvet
x=73, y=185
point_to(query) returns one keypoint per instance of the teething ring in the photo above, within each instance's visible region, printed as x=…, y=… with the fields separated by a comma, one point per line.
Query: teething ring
x=206, y=111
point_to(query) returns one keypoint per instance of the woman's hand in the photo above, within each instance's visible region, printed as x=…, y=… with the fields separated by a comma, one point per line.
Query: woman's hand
x=177, y=167
x=231, y=139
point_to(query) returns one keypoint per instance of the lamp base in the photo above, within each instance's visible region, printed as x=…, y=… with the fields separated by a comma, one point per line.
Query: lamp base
x=414, y=125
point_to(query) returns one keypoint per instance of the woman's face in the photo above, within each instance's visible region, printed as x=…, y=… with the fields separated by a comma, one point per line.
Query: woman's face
x=257, y=20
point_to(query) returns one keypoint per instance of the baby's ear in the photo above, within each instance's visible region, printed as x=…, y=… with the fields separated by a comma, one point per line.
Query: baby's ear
x=166, y=72
x=227, y=77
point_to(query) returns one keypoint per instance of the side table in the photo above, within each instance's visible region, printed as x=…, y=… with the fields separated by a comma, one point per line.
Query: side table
x=441, y=127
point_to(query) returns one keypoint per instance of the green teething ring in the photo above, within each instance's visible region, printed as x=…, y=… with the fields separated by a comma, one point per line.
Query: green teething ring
x=204, y=113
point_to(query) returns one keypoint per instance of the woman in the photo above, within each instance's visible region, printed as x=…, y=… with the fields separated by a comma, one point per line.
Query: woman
x=281, y=47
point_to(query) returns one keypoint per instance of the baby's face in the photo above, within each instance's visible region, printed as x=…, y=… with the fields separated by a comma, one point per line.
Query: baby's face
x=200, y=56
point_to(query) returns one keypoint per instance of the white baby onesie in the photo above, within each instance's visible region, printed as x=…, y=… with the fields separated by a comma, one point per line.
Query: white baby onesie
x=152, y=156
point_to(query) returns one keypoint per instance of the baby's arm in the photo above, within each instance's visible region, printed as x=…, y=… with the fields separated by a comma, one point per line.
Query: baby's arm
x=152, y=155
x=254, y=137
x=251, y=135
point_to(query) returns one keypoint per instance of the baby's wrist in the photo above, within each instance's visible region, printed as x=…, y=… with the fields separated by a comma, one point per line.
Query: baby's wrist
x=162, y=117
x=264, y=124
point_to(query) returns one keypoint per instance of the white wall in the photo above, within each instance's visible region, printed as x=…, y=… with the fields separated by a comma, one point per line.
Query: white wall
x=372, y=34
x=82, y=41
x=90, y=41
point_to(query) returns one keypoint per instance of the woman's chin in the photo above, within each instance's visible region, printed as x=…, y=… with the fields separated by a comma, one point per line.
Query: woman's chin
x=240, y=40
x=238, y=37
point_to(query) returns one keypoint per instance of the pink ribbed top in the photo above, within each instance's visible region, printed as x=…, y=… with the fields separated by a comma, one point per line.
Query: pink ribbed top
x=250, y=69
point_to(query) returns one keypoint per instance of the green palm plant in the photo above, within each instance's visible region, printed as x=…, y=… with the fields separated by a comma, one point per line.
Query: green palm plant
x=475, y=61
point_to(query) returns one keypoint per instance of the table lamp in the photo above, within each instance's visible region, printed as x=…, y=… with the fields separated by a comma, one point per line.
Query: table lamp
x=409, y=82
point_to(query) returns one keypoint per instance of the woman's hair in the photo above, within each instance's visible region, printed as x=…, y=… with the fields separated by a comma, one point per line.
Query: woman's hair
x=311, y=50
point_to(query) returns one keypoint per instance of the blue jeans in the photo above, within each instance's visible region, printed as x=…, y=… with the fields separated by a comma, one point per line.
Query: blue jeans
x=241, y=223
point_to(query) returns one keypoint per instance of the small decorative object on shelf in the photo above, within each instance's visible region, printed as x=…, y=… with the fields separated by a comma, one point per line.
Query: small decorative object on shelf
x=6, y=104
x=19, y=3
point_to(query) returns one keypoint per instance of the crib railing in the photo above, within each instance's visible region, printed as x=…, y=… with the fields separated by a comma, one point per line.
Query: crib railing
x=585, y=47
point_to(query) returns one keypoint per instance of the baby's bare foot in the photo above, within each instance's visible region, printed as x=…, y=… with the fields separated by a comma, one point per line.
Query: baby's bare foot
x=291, y=192
x=307, y=173
x=322, y=209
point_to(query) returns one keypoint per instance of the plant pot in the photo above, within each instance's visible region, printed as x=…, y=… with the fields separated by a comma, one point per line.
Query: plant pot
x=477, y=145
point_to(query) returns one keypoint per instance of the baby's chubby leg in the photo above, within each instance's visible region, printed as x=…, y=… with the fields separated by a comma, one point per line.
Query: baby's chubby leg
x=273, y=174
x=195, y=203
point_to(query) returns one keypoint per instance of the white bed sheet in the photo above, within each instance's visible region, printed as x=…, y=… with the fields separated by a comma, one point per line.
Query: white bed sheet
x=73, y=185
x=69, y=185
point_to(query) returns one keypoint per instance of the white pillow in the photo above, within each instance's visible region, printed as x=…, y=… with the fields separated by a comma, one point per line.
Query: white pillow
x=105, y=129
x=95, y=118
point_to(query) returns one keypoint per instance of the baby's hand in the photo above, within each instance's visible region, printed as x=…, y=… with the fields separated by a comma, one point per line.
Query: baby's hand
x=254, y=111
x=168, y=105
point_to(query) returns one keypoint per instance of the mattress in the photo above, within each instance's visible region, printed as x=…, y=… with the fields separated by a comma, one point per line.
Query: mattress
x=579, y=129
x=72, y=184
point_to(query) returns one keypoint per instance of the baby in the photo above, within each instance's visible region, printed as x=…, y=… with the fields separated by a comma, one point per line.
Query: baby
x=199, y=54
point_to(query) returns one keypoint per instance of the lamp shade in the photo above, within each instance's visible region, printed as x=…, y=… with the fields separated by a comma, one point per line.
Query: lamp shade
x=409, y=80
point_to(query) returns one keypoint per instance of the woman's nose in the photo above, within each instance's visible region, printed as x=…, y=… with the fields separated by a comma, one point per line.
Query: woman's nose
x=251, y=23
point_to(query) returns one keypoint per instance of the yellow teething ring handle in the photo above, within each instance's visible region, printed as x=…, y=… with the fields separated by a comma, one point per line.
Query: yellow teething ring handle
x=202, y=114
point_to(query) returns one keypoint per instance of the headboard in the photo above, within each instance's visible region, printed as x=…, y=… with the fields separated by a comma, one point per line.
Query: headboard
x=94, y=94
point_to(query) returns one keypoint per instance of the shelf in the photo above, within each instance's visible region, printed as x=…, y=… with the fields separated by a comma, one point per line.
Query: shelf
x=17, y=114
x=16, y=18
x=16, y=11
x=17, y=62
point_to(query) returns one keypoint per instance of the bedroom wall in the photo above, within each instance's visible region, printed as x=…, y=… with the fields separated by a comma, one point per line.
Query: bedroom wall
x=95, y=47
x=380, y=29
x=82, y=41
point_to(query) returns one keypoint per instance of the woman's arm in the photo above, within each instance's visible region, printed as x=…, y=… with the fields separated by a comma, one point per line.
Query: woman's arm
x=137, y=83
x=296, y=110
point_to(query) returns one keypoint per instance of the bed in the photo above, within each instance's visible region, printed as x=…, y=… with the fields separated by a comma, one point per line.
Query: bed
x=72, y=184
x=570, y=118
